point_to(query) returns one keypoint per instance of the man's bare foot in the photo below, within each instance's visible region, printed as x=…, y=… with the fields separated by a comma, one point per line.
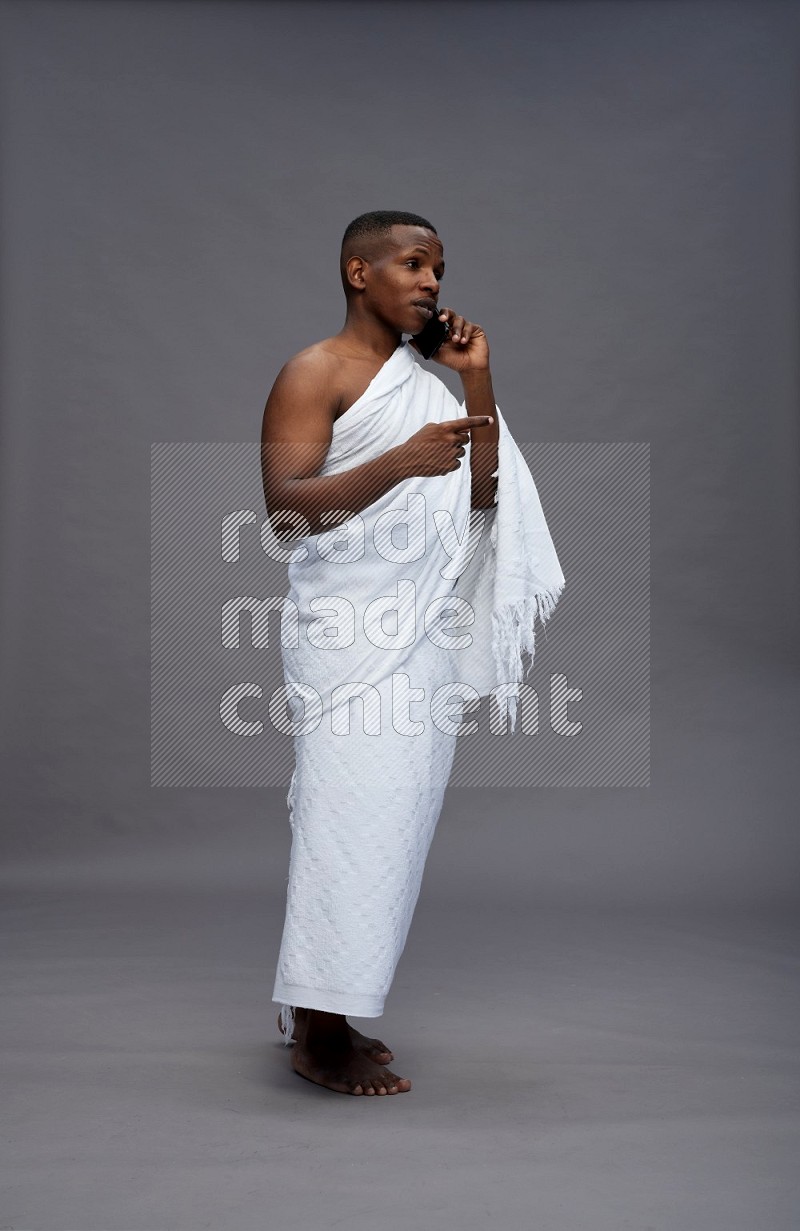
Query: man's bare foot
x=330, y=1060
x=373, y=1048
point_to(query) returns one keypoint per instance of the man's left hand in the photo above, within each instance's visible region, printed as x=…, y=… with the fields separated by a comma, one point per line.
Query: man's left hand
x=466, y=348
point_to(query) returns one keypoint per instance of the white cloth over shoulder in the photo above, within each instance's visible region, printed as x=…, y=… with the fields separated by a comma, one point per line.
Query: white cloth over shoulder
x=369, y=660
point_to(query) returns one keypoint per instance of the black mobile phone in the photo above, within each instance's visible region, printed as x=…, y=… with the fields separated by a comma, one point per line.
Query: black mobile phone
x=431, y=336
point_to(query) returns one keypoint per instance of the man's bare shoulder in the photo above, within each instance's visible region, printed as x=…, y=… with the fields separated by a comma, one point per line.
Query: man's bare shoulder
x=329, y=372
x=321, y=368
x=313, y=363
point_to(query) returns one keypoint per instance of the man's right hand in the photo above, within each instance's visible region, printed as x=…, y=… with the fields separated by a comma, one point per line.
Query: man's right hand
x=438, y=447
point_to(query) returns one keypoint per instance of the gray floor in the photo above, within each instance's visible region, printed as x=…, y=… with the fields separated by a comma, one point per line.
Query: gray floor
x=572, y=1069
x=597, y=1005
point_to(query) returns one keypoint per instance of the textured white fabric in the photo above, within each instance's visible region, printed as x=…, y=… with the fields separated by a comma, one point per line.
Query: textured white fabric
x=364, y=800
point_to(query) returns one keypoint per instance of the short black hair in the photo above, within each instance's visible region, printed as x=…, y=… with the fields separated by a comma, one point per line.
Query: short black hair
x=380, y=221
x=371, y=226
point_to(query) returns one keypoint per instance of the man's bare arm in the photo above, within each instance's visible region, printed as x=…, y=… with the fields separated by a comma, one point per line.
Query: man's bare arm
x=295, y=438
x=479, y=399
x=466, y=351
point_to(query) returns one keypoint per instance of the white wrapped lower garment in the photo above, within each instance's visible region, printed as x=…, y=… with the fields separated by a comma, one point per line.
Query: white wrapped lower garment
x=366, y=793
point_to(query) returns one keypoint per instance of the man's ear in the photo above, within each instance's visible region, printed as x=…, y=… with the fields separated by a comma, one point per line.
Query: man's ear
x=355, y=270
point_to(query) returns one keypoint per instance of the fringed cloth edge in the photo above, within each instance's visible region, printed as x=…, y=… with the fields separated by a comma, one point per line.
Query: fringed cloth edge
x=514, y=632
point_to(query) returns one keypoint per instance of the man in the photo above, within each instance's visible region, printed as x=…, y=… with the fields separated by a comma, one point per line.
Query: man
x=336, y=443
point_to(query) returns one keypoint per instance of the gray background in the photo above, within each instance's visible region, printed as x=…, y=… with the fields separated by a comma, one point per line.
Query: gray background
x=597, y=1004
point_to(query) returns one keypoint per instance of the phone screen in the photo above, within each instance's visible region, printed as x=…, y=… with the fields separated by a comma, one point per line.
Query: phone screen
x=431, y=337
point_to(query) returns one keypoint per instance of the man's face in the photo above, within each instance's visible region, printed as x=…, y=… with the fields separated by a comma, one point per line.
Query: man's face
x=404, y=278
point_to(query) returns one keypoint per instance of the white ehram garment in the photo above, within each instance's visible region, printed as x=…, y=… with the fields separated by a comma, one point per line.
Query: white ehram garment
x=364, y=799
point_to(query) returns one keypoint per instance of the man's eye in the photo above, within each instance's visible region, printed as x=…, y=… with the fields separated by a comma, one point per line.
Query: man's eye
x=412, y=261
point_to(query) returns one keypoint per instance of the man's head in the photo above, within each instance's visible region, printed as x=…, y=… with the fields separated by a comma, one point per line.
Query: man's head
x=392, y=260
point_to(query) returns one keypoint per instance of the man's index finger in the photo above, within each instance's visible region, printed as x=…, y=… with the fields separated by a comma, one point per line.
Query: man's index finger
x=468, y=422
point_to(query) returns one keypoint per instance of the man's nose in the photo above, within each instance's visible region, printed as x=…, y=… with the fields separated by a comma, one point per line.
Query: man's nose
x=431, y=283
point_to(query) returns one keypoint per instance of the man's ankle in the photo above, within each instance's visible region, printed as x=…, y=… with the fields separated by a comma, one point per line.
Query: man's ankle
x=319, y=1024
